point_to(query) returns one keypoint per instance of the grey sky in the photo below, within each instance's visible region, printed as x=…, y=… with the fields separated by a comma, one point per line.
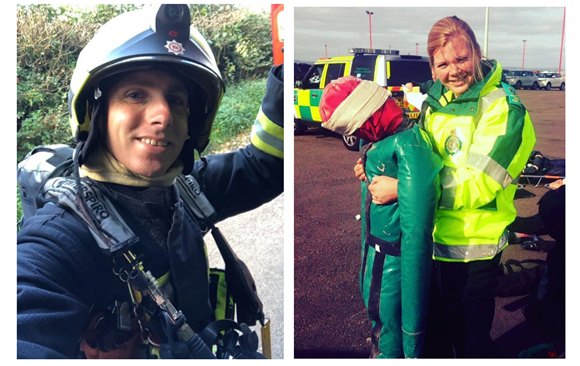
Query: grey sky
x=401, y=28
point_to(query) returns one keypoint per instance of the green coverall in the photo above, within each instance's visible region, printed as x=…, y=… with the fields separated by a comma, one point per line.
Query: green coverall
x=397, y=244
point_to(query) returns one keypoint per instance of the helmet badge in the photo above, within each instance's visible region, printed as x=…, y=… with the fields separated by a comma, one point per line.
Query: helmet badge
x=175, y=47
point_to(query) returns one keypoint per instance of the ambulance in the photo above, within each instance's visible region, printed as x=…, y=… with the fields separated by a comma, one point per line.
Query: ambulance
x=385, y=67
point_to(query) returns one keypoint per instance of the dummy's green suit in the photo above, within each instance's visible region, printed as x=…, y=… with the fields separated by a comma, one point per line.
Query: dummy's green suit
x=397, y=241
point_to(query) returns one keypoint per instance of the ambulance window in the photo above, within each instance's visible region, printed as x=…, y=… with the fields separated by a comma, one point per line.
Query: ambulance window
x=363, y=67
x=334, y=72
x=402, y=72
x=312, y=79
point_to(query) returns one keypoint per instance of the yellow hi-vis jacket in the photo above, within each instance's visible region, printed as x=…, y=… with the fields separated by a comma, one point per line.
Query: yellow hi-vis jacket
x=485, y=138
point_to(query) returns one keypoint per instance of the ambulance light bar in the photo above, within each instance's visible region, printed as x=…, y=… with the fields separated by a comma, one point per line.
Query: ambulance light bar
x=373, y=51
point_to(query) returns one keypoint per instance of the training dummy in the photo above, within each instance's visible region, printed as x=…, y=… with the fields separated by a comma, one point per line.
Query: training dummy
x=397, y=236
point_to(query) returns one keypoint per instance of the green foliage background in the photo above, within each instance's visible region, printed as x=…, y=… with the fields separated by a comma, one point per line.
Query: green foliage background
x=51, y=37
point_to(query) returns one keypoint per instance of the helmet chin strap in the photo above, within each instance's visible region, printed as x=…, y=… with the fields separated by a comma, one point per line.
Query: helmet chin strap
x=94, y=135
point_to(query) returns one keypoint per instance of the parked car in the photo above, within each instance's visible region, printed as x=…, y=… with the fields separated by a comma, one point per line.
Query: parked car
x=503, y=75
x=522, y=79
x=385, y=67
x=549, y=80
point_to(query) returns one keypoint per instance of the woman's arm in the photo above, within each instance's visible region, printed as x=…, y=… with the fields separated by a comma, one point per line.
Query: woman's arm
x=499, y=149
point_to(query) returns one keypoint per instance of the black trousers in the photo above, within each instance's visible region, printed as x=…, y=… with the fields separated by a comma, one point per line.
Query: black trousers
x=552, y=212
x=461, y=310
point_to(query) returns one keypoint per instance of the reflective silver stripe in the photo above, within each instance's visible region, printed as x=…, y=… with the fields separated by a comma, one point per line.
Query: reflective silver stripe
x=494, y=170
x=477, y=161
x=468, y=252
x=449, y=186
x=489, y=167
x=487, y=100
x=267, y=136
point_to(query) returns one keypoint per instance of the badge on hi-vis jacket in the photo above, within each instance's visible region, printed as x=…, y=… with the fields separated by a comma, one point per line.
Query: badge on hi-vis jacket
x=453, y=143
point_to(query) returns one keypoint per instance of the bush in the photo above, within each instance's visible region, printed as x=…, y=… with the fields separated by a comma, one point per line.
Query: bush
x=237, y=112
x=47, y=48
x=241, y=40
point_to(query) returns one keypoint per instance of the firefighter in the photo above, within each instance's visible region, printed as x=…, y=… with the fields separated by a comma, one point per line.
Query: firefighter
x=396, y=238
x=143, y=97
x=485, y=135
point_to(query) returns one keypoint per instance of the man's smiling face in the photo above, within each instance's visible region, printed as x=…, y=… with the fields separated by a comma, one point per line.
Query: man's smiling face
x=146, y=123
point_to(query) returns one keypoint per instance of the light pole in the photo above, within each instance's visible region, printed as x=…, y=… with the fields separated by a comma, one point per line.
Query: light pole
x=417, y=47
x=486, y=31
x=562, y=44
x=325, y=51
x=370, y=28
x=524, y=58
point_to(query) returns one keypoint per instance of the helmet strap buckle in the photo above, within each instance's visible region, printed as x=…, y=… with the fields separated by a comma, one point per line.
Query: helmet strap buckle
x=98, y=92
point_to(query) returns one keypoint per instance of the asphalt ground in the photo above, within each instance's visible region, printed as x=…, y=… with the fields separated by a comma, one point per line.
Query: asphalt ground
x=329, y=314
x=257, y=238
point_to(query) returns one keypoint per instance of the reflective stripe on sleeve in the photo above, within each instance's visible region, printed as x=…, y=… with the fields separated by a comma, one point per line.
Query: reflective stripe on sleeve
x=268, y=136
x=476, y=161
x=449, y=187
x=490, y=167
x=486, y=101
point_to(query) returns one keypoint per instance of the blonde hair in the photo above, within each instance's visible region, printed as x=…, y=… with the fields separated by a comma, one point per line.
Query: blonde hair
x=450, y=28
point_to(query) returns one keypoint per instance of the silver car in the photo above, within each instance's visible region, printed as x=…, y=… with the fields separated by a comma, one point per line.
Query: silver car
x=522, y=79
x=549, y=80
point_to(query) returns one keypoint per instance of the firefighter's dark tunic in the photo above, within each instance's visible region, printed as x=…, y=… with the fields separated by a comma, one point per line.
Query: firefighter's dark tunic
x=62, y=274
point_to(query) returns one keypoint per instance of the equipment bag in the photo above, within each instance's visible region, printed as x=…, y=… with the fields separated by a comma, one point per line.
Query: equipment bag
x=33, y=170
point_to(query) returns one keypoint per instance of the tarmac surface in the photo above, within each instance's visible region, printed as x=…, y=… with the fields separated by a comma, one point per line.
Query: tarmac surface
x=257, y=238
x=329, y=314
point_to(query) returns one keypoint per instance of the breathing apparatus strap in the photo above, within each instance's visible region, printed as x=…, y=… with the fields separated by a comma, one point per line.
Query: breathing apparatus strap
x=115, y=238
x=195, y=200
x=105, y=223
x=238, y=276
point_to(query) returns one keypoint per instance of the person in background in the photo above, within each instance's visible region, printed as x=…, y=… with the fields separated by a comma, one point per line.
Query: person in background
x=484, y=135
x=549, y=306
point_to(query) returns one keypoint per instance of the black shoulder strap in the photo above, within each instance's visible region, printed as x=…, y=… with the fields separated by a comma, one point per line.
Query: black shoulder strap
x=192, y=194
x=238, y=277
x=107, y=226
x=114, y=235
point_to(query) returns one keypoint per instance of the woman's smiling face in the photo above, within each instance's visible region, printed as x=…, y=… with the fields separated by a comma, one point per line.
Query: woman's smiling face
x=453, y=65
x=146, y=123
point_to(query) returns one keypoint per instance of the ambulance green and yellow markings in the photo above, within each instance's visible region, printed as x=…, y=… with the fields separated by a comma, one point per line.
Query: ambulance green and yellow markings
x=308, y=102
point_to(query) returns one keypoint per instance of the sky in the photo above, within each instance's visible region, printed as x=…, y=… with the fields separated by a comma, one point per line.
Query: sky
x=321, y=31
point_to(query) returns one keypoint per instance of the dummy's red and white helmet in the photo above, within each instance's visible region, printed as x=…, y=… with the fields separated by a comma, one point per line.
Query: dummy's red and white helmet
x=156, y=37
x=351, y=106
